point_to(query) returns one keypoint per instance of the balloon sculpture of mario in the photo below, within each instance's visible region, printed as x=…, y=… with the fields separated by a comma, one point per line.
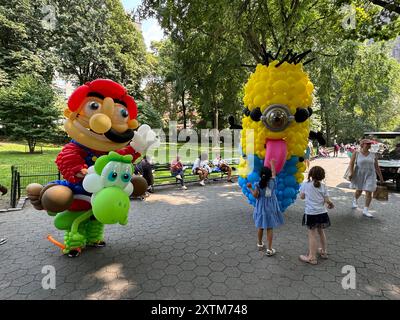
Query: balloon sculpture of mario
x=101, y=117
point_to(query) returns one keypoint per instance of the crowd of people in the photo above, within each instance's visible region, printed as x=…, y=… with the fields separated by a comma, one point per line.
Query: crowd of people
x=202, y=167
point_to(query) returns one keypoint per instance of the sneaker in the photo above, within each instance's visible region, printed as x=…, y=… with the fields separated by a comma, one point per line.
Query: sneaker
x=184, y=188
x=354, y=204
x=74, y=253
x=367, y=214
x=179, y=177
x=270, y=253
x=202, y=183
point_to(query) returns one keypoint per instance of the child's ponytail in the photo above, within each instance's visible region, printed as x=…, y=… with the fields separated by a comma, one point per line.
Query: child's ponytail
x=317, y=183
x=316, y=174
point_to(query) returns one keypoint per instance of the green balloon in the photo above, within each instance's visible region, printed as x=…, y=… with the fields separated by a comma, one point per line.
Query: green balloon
x=111, y=205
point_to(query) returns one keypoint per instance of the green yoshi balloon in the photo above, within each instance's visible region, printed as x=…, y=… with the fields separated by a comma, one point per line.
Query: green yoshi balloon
x=110, y=182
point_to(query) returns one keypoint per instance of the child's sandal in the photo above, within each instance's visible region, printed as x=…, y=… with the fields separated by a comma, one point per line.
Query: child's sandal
x=306, y=259
x=322, y=254
x=270, y=253
x=261, y=246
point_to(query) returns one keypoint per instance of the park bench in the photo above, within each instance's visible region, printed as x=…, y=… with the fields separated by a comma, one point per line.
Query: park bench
x=163, y=176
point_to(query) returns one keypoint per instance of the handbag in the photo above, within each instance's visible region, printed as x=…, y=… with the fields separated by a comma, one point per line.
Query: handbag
x=347, y=173
x=381, y=193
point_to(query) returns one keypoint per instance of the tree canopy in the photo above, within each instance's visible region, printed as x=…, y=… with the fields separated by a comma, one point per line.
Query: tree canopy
x=28, y=110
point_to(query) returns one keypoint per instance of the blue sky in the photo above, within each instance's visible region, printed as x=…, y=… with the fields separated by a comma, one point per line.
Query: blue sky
x=150, y=27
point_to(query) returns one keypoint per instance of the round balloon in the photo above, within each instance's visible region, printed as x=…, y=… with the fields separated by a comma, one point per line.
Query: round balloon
x=139, y=186
x=111, y=205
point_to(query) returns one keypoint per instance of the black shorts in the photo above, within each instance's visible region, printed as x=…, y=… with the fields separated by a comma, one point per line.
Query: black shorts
x=316, y=221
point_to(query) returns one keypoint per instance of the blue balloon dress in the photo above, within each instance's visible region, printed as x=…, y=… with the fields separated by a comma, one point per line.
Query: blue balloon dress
x=267, y=213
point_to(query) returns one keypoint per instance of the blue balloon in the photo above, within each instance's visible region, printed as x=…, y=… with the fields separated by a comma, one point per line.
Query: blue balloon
x=241, y=181
x=251, y=198
x=290, y=181
x=289, y=192
x=253, y=177
x=281, y=187
x=291, y=170
x=287, y=202
x=289, y=163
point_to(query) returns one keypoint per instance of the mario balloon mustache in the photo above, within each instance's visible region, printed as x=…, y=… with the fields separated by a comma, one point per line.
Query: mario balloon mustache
x=100, y=117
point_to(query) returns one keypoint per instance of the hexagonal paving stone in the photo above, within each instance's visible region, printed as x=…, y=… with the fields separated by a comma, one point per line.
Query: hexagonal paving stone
x=217, y=276
x=151, y=286
x=173, y=269
x=169, y=280
x=218, y=289
x=201, y=294
x=184, y=287
x=201, y=282
x=155, y=274
x=217, y=266
x=202, y=271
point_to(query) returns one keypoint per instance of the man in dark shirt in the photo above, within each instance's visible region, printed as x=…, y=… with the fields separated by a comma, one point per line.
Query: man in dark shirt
x=145, y=168
x=395, y=154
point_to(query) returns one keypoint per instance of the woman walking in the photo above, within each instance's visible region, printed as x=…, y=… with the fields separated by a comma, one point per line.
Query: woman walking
x=363, y=171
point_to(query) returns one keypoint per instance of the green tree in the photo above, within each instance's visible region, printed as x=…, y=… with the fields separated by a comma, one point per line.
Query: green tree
x=372, y=19
x=24, y=41
x=357, y=91
x=148, y=115
x=96, y=38
x=28, y=111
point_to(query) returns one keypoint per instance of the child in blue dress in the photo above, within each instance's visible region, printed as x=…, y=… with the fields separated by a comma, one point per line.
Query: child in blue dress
x=267, y=214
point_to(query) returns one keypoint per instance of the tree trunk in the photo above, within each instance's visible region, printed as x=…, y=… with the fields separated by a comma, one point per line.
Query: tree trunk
x=31, y=145
x=184, y=109
x=216, y=116
x=325, y=122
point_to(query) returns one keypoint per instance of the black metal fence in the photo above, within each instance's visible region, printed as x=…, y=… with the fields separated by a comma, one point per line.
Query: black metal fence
x=22, y=176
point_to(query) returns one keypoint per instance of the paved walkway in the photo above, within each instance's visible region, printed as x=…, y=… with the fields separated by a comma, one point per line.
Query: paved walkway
x=201, y=244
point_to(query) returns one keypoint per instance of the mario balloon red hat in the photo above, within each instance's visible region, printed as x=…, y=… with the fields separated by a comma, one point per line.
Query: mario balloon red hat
x=103, y=88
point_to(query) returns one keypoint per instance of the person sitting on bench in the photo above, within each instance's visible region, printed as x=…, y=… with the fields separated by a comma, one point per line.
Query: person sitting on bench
x=201, y=168
x=145, y=169
x=177, y=171
x=323, y=153
x=223, y=166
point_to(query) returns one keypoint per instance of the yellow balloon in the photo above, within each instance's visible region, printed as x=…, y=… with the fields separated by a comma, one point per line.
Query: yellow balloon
x=280, y=86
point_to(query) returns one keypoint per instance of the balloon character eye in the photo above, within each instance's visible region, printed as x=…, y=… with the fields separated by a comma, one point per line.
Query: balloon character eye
x=277, y=117
x=126, y=177
x=124, y=113
x=94, y=105
x=113, y=176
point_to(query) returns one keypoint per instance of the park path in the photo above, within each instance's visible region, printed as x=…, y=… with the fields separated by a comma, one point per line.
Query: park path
x=201, y=244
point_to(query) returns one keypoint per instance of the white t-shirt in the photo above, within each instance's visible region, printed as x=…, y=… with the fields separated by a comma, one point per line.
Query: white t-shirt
x=200, y=164
x=315, y=198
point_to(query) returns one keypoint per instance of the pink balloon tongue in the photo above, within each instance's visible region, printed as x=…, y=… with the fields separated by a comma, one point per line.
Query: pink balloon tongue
x=276, y=149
